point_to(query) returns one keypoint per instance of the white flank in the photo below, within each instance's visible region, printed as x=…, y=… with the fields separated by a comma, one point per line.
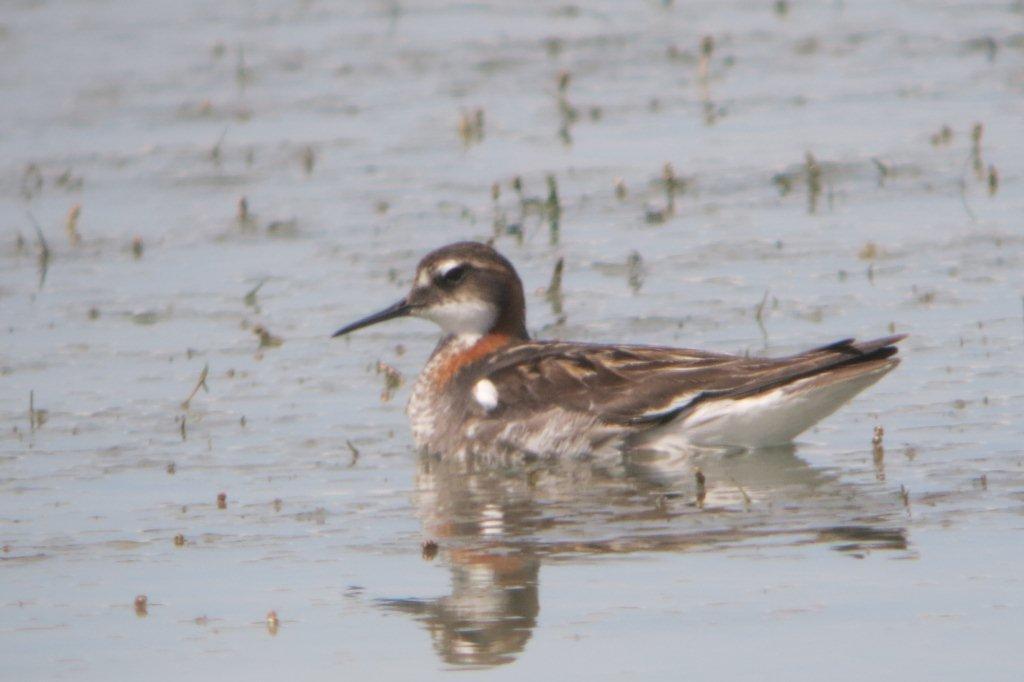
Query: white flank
x=485, y=393
x=772, y=418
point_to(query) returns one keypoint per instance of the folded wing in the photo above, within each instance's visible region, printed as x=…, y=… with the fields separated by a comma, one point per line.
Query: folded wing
x=638, y=386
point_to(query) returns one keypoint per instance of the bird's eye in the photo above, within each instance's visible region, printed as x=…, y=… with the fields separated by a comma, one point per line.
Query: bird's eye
x=454, y=275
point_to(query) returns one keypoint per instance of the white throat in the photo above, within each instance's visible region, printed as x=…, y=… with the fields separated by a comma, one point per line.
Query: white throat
x=465, y=318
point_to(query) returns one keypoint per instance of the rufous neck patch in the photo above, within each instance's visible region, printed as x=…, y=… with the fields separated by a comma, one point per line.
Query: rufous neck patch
x=479, y=350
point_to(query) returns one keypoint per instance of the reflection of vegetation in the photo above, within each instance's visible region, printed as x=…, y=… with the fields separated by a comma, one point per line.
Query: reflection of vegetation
x=471, y=127
x=44, y=251
x=497, y=525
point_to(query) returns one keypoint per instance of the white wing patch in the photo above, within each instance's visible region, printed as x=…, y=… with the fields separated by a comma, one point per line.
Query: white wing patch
x=677, y=402
x=486, y=394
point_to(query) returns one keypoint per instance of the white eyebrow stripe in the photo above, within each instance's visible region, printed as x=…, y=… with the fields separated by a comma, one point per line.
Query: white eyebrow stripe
x=446, y=266
x=486, y=394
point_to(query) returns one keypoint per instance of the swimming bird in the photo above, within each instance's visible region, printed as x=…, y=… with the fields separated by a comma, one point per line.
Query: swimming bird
x=489, y=388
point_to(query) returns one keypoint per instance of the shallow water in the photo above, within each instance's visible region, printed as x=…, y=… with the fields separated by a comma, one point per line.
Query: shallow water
x=340, y=126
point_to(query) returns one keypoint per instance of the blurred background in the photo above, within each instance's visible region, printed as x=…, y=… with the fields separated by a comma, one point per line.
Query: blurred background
x=196, y=480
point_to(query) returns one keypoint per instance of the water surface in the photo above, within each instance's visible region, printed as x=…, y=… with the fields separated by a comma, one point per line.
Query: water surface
x=340, y=126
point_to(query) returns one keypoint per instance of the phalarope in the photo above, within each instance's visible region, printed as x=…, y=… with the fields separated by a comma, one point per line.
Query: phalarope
x=489, y=388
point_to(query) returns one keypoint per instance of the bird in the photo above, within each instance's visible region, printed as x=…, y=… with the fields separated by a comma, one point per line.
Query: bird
x=488, y=388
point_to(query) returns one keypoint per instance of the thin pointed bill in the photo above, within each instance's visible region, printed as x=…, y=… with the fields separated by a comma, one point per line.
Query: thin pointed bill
x=398, y=309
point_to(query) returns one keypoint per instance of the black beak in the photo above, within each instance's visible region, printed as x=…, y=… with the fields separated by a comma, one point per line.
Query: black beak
x=398, y=309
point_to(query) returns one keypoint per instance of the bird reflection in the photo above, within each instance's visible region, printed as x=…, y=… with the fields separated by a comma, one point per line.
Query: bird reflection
x=496, y=524
x=477, y=515
x=491, y=612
